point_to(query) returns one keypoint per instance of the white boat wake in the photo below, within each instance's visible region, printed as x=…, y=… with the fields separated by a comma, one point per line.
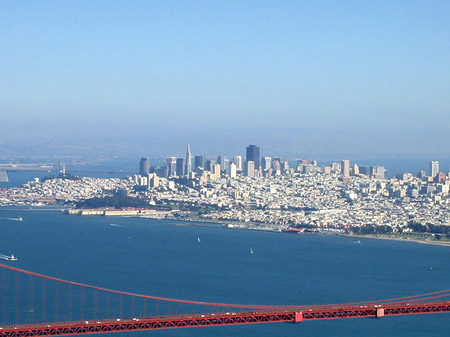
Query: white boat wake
x=13, y=219
x=8, y=258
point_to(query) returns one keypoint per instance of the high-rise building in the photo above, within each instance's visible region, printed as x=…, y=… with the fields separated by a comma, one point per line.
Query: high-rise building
x=188, y=168
x=216, y=171
x=377, y=172
x=237, y=160
x=233, y=170
x=180, y=167
x=199, y=162
x=250, y=168
x=171, y=163
x=226, y=166
x=266, y=163
x=144, y=166
x=434, y=168
x=210, y=165
x=221, y=160
x=253, y=155
x=345, y=168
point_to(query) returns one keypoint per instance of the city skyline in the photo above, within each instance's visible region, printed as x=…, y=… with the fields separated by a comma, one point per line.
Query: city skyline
x=314, y=79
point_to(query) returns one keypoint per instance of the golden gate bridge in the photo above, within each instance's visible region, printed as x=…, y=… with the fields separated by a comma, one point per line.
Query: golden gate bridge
x=33, y=304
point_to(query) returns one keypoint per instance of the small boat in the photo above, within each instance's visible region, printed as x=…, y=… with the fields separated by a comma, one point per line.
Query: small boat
x=19, y=219
x=198, y=240
x=251, y=251
x=12, y=258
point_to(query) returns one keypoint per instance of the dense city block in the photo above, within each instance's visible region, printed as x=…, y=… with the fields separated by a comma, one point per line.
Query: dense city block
x=265, y=194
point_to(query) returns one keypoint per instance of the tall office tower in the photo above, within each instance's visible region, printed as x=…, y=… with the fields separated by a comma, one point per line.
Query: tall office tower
x=58, y=167
x=221, y=161
x=216, y=171
x=180, y=167
x=226, y=166
x=434, y=168
x=335, y=167
x=144, y=166
x=364, y=169
x=233, y=170
x=237, y=160
x=199, y=162
x=276, y=166
x=210, y=165
x=250, y=168
x=253, y=155
x=188, y=168
x=284, y=165
x=171, y=163
x=266, y=163
x=345, y=168
x=355, y=169
x=377, y=172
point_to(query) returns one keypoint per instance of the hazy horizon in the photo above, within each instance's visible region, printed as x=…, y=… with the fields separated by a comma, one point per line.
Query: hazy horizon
x=299, y=79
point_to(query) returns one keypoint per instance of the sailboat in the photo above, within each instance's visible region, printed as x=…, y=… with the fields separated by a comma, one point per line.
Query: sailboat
x=198, y=239
x=251, y=251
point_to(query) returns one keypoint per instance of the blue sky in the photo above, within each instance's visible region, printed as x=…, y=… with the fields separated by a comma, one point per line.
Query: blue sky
x=319, y=78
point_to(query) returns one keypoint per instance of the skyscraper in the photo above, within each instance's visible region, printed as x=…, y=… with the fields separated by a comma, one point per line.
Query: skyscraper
x=144, y=166
x=266, y=163
x=180, y=167
x=377, y=172
x=188, y=169
x=171, y=163
x=238, y=161
x=253, y=155
x=434, y=168
x=250, y=168
x=345, y=168
x=221, y=161
x=199, y=162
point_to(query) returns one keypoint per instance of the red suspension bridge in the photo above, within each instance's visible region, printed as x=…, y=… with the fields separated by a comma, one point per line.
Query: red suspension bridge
x=38, y=305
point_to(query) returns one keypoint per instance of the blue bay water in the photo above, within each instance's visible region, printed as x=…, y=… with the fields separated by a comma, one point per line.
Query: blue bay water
x=154, y=257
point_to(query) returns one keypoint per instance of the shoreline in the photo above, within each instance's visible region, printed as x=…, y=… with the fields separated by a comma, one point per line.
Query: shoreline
x=427, y=242
x=223, y=225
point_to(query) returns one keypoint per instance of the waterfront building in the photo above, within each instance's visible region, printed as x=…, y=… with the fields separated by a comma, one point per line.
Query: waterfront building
x=144, y=166
x=434, y=168
x=253, y=155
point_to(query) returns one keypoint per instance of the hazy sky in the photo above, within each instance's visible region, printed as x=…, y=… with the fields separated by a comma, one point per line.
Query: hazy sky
x=318, y=78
